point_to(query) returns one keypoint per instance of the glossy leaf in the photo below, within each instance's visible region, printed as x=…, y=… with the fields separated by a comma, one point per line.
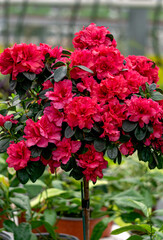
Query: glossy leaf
x=69, y=132
x=99, y=145
x=29, y=76
x=60, y=73
x=128, y=126
x=22, y=175
x=112, y=152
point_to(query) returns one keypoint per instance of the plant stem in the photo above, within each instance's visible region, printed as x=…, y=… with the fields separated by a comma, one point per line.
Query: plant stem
x=86, y=207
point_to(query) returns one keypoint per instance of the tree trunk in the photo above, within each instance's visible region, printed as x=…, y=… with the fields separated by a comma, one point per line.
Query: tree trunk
x=86, y=208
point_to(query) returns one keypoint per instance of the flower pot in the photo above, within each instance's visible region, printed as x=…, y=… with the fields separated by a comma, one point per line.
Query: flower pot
x=74, y=226
x=61, y=236
x=5, y=236
x=2, y=218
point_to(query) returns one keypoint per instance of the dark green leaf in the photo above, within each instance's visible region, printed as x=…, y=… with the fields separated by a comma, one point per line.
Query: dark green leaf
x=100, y=227
x=99, y=145
x=12, y=84
x=76, y=173
x=110, y=36
x=22, y=175
x=84, y=68
x=156, y=96
x=17, y=190
x=35, y=151
x=30, y=76
x=135, y=237
x=18, y=128
x=129, y=228
x=8, y=125
x=66, y=52
x=60, y=73
x=144, y=154
x=59, y=64
x=119, y=157
x=9, y=225
x=141, y=91
x=36, y=224
x=26, y=84
x=46, y=153
x=35, y=170
x=152, y=87
x=112, y=152
x=128, y=126
x=124, y=138
x=140, y=133
x=42, y=93
x=68, y=166
x=3, y=112
x=20, y=91
x=50, y=230
x=4, y=144
x=69, y=132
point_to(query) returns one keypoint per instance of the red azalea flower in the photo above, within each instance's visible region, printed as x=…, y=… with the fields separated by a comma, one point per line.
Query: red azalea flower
x=145, y=67
x=82, y=112
x=64, y=150
x=127, y=148
x=21, y=58
x=54, y=115
x=61, y=95
x=52, y=52
x=81, y=57
x=108, y=61
x=143, y=110
x=93, y=163
x=19, y=155
x=6, y=118
x=93, y=36
x=47, y=84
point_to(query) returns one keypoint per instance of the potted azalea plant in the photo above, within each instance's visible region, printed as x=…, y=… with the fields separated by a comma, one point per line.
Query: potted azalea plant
x=73, y=109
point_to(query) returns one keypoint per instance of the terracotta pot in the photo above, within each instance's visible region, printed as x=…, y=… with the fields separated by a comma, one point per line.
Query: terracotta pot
x=74, y=226
x=5, y=236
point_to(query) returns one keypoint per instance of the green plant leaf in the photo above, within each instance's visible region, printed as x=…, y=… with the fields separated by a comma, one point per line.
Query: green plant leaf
x=69, y=132
x=50, y=216
x=110, y=36
x=50, y=229
x=152, y=87
x=35, y=151
x=22, y=175
x=59, y=64
x=35, y=170
x=66, y=52
x=60, y=73
x=12, y=84
x=100, y=227
x=156, y=96
x=128, y=126
x=99, y=145
x=8, y=125
x=141, y=206
x=49, y=193
x=4, y=144
x=17, y=190
x=135, y=237
x=84, y=68
x=139, y=228
x=29, y=76
x=77, y=173
x=140, y=133
x=112, y=152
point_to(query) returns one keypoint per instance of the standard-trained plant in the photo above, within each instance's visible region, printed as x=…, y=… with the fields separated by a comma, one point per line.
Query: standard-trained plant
x=71, y=109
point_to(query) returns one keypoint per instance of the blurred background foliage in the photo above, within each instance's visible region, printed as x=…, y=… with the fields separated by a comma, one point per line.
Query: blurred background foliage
x=137, y=29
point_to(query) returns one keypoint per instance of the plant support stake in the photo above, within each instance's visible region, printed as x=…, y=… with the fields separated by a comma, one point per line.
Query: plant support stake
x=86, y=209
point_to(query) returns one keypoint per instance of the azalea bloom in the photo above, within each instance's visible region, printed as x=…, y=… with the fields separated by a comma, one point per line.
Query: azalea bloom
x=93, y=163
x=82, y=112
x=21, y=58
x=64, y=150
x=19, y=155
x=6, y=118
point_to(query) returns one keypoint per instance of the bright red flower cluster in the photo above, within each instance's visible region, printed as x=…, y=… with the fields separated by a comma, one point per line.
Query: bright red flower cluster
x=92, y=103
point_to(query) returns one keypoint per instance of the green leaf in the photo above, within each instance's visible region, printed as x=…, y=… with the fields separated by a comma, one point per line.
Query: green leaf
x=129, y=228
x=42, y=93
x=84, y=68
x=77, y=173
x=99, y=145
x=46, y=153
x=4, y=144
x=50, y=230
x=8, y=125
x=112, y=152
x=35, y=170
x=59, y=64
x=68, y=166
x=50, y=216
x=156, y=96
x=60, y=73
x=152, y=87
x=141, y=91
x=36, y=223
x=9, y=225
x=26, y=84
x=110, y=36
x=100, y=227
x=35, y=151
x=135, y=237
x=12, y=84
x=145, y=154
x=17, y=190
x=128, y=126
x=18, y=128
x=49, y=193
x=33, y=237
x=29, y=76
x=66, y=52
x=22, y=175
x=69, y=132
x=140, y=133
x=141, y=206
